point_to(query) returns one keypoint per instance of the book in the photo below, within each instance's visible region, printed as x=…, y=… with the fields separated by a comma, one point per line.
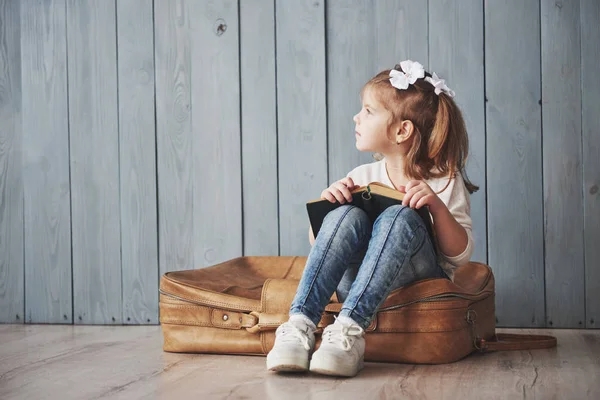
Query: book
x=373, y=198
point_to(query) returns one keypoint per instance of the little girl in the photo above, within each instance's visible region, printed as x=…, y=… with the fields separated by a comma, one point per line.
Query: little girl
x=408, y=118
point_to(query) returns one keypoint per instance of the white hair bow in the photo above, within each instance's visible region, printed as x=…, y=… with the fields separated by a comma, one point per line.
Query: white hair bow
x=412, y=71
x=439, y=85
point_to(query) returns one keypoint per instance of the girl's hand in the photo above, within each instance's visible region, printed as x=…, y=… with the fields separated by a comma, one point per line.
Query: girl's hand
x=419, y=194
x=339, y=191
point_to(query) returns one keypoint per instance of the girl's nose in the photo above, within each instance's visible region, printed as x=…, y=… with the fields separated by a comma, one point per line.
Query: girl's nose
x=355, y=118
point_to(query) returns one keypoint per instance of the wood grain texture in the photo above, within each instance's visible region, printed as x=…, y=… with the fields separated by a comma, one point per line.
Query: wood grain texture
x=174, y=135
x=259, y=127
x=562, y=163
x=590, y=125
x=400, y=33
x=215, y=96
x=301, y=112
x=75, y=362
x=137, y=155
x=351, y=58
x=456, y=55
x=12, y=291
x=47, y=204
x=93, y=120
x=54, y=348
x=514, y=162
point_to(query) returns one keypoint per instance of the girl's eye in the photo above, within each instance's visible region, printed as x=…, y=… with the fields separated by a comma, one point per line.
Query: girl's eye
x=368, y=111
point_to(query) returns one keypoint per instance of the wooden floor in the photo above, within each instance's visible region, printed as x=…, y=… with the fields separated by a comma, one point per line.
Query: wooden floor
x=93, y=362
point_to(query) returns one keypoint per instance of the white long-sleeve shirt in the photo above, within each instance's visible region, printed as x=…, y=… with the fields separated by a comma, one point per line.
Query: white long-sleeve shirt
x=455, y=196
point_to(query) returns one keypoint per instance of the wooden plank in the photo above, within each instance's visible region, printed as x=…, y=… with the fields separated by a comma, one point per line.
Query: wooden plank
x=514, y=165
x=12, y=291
x=36, y=341
x=92, y=66
x=301, y=113
x=139, y=246
x=456, y=55
x=562, y=163
x=364, y=38
x=174, y=135
x=259, y=128
x=215, y=97
x=128, y=363
x=590, y=120
x=351, y=59
x=46, y=163
x=25, y=365
x=400, y=33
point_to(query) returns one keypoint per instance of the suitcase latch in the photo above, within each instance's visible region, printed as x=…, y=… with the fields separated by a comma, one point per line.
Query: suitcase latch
x=471, y=318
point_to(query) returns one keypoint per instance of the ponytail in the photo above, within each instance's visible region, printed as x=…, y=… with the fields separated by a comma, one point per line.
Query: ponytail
x=440, y=130
x=449, y=143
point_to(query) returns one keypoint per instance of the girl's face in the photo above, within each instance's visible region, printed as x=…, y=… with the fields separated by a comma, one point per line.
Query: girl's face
x=372, y=125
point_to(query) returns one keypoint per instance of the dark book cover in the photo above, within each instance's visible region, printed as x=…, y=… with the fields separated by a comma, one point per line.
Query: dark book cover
x=372, y=200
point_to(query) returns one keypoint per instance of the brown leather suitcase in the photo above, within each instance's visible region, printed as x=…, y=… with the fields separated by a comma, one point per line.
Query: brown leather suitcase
x=235, y=307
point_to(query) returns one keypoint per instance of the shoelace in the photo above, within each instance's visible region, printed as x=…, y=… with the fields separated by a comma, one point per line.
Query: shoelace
x=342, y=335
x=291, y=333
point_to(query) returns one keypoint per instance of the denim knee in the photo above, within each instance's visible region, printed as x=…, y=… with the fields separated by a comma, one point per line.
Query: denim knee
x=404, y=216
x=351, y=221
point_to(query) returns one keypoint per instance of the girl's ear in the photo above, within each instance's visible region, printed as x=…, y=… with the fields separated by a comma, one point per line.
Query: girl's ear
x=404, y=131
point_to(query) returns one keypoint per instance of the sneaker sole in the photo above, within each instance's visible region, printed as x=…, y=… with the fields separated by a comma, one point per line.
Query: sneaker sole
x=325, y=368
x=287, y=365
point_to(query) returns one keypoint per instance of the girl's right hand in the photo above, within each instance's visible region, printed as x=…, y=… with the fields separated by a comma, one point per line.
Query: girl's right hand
x=339, y=191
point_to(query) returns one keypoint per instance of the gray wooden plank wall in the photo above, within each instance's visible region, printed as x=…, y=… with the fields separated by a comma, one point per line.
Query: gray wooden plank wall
x=590, y=124
x=562, y=162
x=174, y=161
x=12, y=281
x=45, y=138
x=139, y=137
x=514, y=160
x=259, y=128
x=301, y=114
x=137, y=157
x=94, y=156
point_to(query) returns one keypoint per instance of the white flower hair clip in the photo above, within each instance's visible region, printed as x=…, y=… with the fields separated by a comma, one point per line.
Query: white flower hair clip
x=412, y=71
x=439, y=85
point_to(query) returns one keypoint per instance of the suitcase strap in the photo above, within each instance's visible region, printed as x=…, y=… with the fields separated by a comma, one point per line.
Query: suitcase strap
x=507, y=341
x=513, y=341
x=270, y=322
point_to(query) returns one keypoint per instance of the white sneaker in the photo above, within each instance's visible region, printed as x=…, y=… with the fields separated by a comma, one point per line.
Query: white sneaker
x=342, y=350
x=294, y=342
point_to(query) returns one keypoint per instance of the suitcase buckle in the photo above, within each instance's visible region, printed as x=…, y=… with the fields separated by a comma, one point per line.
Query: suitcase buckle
x=478, y=343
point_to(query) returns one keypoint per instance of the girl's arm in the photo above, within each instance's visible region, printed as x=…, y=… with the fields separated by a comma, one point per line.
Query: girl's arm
x=452, y=237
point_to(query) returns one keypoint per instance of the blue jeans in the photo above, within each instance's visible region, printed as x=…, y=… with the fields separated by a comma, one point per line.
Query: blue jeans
x=364, y=261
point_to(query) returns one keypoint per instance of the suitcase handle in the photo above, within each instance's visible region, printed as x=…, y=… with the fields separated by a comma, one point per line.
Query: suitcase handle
x=513, y=341
x=507, y=341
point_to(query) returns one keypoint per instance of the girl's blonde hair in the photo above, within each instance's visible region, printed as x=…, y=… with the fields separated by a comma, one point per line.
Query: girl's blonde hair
x=440, y=143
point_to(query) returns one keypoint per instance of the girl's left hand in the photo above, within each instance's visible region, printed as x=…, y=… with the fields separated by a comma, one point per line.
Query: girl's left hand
x=419, y=194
